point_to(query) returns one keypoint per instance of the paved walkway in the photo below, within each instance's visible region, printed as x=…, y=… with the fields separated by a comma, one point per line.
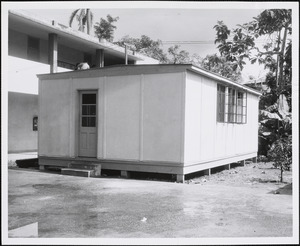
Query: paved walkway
x=67, y=207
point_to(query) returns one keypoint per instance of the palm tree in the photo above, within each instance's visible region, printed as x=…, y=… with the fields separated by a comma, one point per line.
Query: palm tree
x=84, y=17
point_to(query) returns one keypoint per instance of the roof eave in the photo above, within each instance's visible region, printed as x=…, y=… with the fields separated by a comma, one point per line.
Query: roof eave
x=223, y=80
x=61, y=29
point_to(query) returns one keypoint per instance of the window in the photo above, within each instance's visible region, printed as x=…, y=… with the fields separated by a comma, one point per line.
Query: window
x=33, y=49
x=231, y=105
x=88, y=110
x=221, y=104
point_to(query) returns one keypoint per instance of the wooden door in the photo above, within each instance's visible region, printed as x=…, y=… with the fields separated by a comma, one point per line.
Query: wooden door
x=88, y=124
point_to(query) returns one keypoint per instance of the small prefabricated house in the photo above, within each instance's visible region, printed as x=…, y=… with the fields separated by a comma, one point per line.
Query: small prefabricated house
x=172, y=119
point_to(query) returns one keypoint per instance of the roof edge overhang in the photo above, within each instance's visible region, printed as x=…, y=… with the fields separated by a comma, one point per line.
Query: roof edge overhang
x=223, y=80
x=156, y=68
x=62, y=29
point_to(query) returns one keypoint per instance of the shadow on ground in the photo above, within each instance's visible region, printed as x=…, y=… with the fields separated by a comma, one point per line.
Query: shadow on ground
x=285, y=190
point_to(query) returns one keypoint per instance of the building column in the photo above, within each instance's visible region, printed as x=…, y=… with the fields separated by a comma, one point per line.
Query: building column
x=99, y=58
x=52, y=52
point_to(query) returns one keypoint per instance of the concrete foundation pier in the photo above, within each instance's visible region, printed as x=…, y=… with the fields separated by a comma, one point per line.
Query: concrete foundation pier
x=125, y=174
x=180, y=178
x=227, y=167
x=207, y=172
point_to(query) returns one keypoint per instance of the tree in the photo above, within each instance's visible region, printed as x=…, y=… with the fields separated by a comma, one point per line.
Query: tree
x=178, y=56
x=105, y=28
x=146, y=46
x=274, y=23
x=281, y=153
x=240, y=44
x=218, y=64
x=84, y=18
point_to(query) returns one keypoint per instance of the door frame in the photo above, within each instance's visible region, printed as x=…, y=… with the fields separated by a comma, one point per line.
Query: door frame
x=78, y=118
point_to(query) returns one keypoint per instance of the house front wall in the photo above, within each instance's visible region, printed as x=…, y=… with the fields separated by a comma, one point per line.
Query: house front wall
x=210, y=142
x=139, y=117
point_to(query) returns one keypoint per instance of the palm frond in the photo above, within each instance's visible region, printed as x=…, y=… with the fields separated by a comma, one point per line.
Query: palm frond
x=74, y=13
x=92, y=18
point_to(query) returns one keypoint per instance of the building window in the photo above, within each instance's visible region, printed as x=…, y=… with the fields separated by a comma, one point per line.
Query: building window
x=221, y=104
x=88, y=110
x=33, y=49
x=231, y=105
x=241, y=107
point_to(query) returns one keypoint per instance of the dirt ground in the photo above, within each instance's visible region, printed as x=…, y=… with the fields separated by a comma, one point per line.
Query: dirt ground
x=250, y=174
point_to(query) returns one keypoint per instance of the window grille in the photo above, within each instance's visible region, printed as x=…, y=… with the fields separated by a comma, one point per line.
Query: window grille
x=231, y=105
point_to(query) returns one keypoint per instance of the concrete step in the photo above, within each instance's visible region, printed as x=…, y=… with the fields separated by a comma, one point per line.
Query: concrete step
x=78, y=172
x=86, y=166
x=83, y=165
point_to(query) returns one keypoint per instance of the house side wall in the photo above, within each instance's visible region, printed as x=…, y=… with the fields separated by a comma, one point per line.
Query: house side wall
x=207, y=140
x=139, y=117
x=21, y=110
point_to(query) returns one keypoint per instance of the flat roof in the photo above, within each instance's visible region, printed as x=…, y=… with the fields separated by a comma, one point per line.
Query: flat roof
x=119, y=70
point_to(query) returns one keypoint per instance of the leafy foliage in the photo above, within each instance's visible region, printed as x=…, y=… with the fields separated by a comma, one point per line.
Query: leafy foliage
x=281, y=153
x=105, y=28
x=84, y=18
x=219, y=64
x=178, y=56
x=238, y=45
x=146, y=46
x=275, y=134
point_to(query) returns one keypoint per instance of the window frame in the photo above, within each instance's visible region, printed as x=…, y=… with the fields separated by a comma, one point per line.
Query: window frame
x=233, y=108
x=221, y=99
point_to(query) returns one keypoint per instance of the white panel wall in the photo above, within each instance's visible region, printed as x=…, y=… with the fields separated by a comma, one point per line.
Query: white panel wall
x=54, y=116
x=205, y=138
x=208, y=118
x=140, y=117
x=122, y=119
x=162, y=117
x=193, y=103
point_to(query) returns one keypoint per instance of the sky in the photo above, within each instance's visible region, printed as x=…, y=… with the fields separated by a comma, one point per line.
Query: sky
x=167, y=21
x=163, y=24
